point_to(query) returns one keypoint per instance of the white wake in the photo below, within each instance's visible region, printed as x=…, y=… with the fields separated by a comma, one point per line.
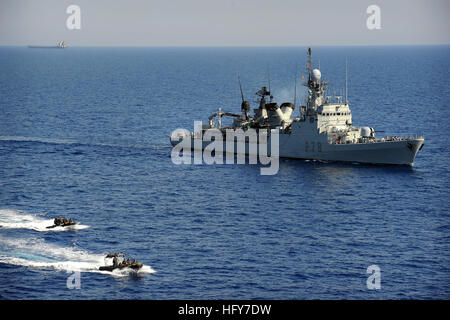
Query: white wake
x=16, y=219
x=36, y=253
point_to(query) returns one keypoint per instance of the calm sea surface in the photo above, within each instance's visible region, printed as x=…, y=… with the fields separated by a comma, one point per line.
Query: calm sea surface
x=84, y=133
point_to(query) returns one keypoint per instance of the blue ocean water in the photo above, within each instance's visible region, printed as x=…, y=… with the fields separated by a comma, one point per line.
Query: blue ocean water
x=84, y=133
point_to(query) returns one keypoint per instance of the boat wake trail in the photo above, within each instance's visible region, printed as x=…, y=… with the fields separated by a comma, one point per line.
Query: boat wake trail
x=81, y=143
x=36, y=253
x=35, y=139
x=15, y=219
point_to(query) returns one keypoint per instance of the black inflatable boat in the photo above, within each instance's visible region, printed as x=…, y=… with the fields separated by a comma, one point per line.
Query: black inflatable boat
x=135, y=265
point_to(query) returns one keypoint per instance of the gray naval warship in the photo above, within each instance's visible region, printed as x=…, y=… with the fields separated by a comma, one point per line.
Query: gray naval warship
x=323, y=131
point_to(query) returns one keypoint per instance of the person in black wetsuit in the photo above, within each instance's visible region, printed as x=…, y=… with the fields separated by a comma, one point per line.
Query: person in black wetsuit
x=58, y=221
x=115, y=262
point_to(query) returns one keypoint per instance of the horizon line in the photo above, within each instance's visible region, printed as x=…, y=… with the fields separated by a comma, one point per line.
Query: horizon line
x=235, y=46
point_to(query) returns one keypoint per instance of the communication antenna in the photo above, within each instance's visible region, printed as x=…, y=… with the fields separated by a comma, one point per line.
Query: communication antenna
x=295, y=86
x=346, y=81
x=245, y=105
x=240, y=87
x=268, y=78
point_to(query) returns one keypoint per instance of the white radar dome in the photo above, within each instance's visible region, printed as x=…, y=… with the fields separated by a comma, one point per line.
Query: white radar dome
x=367, y=132
x=317, y=74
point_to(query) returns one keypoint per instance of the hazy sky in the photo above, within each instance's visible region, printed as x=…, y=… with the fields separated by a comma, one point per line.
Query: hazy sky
x=224, y=22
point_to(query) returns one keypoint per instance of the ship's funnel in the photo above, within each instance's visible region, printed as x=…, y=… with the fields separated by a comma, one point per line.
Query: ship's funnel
x=287, y=109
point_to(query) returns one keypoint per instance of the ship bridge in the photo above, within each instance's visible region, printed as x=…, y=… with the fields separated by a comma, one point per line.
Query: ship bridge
x=333, y=115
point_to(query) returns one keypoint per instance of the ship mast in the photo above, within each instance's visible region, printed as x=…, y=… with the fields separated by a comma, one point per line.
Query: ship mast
x=316, y=87
x=309, y=64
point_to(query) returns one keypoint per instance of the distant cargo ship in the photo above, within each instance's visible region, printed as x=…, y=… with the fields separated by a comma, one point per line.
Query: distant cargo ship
x=60, y=45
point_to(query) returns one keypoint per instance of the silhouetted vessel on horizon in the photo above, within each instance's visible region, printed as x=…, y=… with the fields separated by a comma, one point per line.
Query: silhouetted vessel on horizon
x=60, y=45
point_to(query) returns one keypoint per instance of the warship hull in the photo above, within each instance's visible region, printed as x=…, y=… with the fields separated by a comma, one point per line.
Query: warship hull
x=400, y=152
